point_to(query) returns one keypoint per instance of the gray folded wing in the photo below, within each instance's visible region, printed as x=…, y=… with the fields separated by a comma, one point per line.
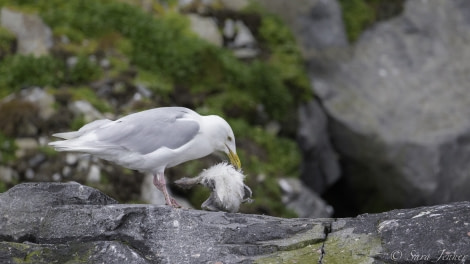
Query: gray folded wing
x=147, y=131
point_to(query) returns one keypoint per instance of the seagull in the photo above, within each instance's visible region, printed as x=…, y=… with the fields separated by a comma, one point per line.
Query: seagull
x=153, y=140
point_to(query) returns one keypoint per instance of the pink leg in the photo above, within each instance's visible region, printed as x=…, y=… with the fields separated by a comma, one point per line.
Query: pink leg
x=160, y=182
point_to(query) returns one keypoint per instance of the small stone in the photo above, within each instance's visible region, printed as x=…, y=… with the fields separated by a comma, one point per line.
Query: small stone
x=40, y=98
x=29, y=174
x=86, y=109
x=244, y=36
x=234, y=5
x=137, y=97
x=302, y=200
x=83, y=164
x=94, y=174
x=42, y=140
x=24, y=146
x=92, y=58
x=206, y=28
x=143, y=90
x=71, y=61
x=71, y=158
x=273, y=127
x=7, y=174
x=56, y=177
x=285, y=186
x=245, y=53
x=64, y=39
x=36, y=160
x=34, y=37
x=229, y=29
x=104, y=63
x=66, y=171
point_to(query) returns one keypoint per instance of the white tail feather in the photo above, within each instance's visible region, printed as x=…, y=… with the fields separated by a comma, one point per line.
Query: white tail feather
x=73, y=142
x=84, y=129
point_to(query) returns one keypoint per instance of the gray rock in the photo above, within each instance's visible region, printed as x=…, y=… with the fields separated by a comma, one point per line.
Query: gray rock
x=244, y=37
x=229, y=28
x=206, y=28
x=85, y=109
x=24, y=146
x=399, y=107
x=320, y=166
x=7, y=174
x=37, y=160
x=29, y=174
x=316, y=24
x=234, y=5
x=318, y=28
x=66, y=171
x=302, y=200
x=244, y=44
x=43, y=100
x=68, y=214
x=245, y=53
x=71, y=158
x=143, y=90
x=34, y=37
x=68, y=222
x=94, y=174
x=71, y=61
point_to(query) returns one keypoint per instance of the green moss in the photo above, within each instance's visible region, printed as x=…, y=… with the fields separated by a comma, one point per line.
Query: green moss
x=15, y=6
x=361, y=14
x=87, y=94
x=7, y=149
x=300, y=248
x=7, y=40
x=342, y=246
x=124, y=46
x=348, y=247
x=357, y=16
x=159, y=84
x=308, y=254
x=279, y=156
x=19, y=71
x=72, y=34
x=18, y=115
x=3, y=187
x=86, y=47
x=48, y=151
x=77, y=123
x=71, y=253
x=198, y=195
x=285, y=57
x=167, y=47
x=83, y=71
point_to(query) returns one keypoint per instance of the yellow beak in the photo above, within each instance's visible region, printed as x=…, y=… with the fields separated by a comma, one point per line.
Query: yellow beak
x=234, y=159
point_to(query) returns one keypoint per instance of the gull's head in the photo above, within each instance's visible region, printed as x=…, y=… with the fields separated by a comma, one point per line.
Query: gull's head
x=224, y=139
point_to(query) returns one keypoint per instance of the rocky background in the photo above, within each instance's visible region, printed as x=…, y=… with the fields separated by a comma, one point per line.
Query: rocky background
x=365, y=101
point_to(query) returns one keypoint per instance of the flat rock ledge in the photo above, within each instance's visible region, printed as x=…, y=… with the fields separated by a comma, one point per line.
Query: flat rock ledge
x=72, y=223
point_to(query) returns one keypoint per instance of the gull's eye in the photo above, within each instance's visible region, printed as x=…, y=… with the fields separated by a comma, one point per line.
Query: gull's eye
x=229, y=138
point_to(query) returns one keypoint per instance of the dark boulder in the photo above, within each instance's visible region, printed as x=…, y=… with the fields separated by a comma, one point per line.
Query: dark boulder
x=70, y=223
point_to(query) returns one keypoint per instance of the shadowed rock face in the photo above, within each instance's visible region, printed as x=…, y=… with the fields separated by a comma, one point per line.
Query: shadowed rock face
x=47, y=222
x=397, y=103
x=398, y=108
